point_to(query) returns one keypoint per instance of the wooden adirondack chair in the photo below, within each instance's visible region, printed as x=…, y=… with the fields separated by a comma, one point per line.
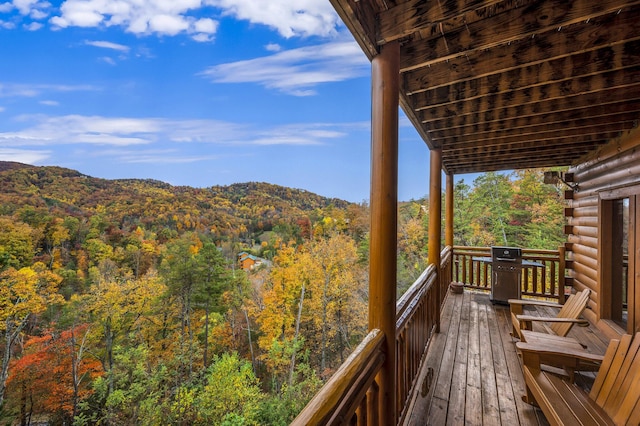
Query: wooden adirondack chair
x=615, y=395
x=560, y=325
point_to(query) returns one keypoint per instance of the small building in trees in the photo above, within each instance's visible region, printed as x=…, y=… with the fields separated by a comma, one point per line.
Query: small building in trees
x=248, y=261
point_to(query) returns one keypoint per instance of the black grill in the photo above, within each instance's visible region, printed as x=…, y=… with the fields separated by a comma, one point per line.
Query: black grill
x=506, y=265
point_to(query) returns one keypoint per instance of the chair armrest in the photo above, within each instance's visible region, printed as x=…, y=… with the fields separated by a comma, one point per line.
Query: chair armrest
x=579, y=321
x=522, y=302
x=555, y=351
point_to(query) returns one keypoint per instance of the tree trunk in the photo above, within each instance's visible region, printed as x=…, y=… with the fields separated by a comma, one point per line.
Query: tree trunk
x=295, y=336
x=325, y=303
x=253, y=359
x=12, y=331
x=206, y=338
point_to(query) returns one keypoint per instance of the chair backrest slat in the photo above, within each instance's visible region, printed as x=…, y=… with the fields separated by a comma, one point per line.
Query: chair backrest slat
x=617, y=386
x=572, y=308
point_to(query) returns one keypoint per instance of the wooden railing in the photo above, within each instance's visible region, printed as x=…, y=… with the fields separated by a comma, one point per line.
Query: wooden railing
x=417, y=320
x=546, y=281
x=351, y=395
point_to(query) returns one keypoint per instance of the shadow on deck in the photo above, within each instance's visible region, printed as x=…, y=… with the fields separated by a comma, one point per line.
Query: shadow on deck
x=472, y=374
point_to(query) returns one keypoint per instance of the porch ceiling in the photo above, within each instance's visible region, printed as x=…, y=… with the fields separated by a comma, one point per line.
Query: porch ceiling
x=509, y=84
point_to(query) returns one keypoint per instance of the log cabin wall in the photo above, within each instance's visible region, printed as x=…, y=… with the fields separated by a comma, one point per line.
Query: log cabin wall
x=612, y=173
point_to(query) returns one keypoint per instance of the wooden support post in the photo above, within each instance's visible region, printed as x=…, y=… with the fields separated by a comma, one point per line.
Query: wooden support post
x=435, y=222
x=562, y=255
x=384, y=200
x=448, y=211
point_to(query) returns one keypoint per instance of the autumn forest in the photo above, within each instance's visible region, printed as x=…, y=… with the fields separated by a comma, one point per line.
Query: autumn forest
x=124, y=302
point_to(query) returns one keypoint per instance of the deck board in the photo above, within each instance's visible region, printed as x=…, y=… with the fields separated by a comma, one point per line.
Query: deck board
x=472, y=374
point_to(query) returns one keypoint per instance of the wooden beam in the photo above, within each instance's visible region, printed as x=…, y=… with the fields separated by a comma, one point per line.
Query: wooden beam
x=360, y=18
x=439, y=119
x=617, y=79
x=507, y=155
x=596, y=111
x=597, y=34
x=490, y=107
x=384, y=204
x=448, y=208
x=492, y=166
x=435, y=220
x=543, y=135
x=415, y=15
x=514, y=25
x=493, y=131
x=619, y=56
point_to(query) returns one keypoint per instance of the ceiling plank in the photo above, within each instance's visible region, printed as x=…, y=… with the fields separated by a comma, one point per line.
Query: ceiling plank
x=604, y=97
x=585, y=113
x=595, y=34
x=551, y=133
x=414, y=15
x=511, y=26
x=619, y=56
x=607, y=122
x=582, y=86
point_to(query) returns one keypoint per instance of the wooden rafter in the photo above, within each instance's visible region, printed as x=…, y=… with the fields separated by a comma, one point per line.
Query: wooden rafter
x=506, y=84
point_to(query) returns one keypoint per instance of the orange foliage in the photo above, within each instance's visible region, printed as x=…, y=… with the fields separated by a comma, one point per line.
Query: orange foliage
x=44, y=374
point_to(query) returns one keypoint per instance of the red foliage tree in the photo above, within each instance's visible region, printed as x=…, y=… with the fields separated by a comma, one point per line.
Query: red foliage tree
x=53, y=375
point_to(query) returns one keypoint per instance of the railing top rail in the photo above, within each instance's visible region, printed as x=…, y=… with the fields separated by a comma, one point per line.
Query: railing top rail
x=360, y=367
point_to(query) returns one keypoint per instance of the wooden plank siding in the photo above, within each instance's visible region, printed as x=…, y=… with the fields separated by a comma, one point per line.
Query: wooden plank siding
x=612, y=172
x=472, y=374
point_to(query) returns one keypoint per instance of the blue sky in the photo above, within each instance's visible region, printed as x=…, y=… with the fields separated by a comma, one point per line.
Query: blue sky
x=194, y=92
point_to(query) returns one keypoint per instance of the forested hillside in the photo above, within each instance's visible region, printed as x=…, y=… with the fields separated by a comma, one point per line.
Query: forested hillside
x=123, y=302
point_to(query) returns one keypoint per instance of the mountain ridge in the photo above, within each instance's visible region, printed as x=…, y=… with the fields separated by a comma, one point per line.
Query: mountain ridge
x=247, y=207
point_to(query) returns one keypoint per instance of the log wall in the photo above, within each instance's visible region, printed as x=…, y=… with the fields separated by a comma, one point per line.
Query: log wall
x=614, y=169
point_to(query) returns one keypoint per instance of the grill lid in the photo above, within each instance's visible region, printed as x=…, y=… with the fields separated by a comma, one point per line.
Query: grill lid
x=508, y=254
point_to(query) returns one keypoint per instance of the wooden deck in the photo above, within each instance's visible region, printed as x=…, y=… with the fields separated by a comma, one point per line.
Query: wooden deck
x=472, y=374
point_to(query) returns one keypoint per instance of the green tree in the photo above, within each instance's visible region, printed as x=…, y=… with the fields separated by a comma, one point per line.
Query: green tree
x=494, y=192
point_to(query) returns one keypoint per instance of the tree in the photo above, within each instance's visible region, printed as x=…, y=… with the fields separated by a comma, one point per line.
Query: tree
x=117, y=307
x=54, y=374
x=337, y=293
x=17, y=246
x=23, y=293
x=494, y=192
x=231, y=390
x=214, y=279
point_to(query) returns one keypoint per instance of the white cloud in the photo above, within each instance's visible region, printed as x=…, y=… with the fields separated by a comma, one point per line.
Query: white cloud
x=33, y=26
x=108, y=60
x=153, y=156
x=296, y=71
x=74, y=129
x=2, y=109
x=7, y=25
x=36, y=9
x=9, y=90
x=171, y=17
x=23, y=155
x=50, y=103
x=143, y=17
x=24, y=6
x=107, y=45
x=289, y=18
x=273, y=47
x=38, y=14
x=52, y=131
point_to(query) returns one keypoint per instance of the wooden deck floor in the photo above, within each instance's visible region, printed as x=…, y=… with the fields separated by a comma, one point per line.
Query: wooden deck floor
x=472, y=375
